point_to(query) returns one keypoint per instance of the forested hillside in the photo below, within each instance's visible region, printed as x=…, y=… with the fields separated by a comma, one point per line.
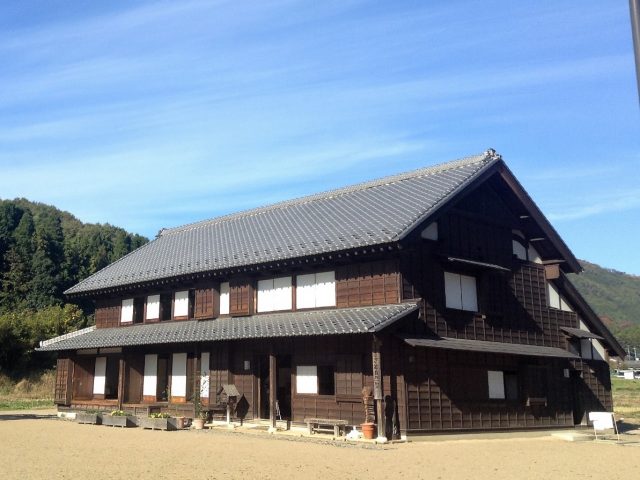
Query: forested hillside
x=44, y=251
x=615, y=296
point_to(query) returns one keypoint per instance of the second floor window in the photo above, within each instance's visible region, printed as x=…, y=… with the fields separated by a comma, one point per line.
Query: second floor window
x=224, y=298
x=315, y=290
x=502, y=385
x=274, y=294
x=126, y=312
x=181, y=304
x=460, y=292
x=153, y=307
x=554, y=300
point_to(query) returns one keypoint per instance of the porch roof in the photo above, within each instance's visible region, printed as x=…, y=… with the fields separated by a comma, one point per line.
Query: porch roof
x=487, y=347
x=579, y=333
x=270, y=325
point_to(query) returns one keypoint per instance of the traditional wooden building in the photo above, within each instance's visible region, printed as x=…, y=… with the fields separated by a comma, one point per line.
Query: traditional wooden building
x=444, y=289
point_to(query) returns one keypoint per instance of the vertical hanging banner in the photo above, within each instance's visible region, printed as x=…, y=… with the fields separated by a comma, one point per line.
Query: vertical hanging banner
x=377, y=370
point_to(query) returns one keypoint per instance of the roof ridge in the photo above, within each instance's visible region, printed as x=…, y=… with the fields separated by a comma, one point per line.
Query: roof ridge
x=489, y=155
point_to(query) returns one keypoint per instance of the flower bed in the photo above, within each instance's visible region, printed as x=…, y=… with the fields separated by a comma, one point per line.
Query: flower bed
x=88, y=417
x=161, y=421
x=118, y=418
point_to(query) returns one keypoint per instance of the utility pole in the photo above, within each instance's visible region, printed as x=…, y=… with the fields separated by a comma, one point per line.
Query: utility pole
x=634, y=7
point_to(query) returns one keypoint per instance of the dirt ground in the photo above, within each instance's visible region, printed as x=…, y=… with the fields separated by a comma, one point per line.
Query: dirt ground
x=33, y=445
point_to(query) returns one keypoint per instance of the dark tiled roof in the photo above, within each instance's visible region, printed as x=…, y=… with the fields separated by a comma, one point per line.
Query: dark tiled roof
x=367, y=214
x=488, y=347
x=578, y=333
x=272, y=325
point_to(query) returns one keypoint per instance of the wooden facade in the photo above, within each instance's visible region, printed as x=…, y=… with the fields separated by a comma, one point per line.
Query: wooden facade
x=423, y=389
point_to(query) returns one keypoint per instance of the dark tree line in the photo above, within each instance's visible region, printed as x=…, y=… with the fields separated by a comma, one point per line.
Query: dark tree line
x=44, y=251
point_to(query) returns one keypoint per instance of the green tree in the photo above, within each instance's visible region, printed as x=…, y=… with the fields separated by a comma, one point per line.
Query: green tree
x=44, y=288
x=18, y=273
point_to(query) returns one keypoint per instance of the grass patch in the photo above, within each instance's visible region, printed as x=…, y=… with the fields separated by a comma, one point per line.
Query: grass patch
x=25, y=404
x=35, y=391
x=626, y=398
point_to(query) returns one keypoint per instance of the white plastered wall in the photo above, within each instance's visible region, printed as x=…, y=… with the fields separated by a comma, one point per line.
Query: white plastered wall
x=99, y=375
x=181, y=304
x=599, y=352
x=179, y=375
x=224, y=298
x=126, y=312
x=150, y=383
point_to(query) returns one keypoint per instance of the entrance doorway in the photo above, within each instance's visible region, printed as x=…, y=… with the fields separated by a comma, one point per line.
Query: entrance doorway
x=577, y=385
x=283, y=384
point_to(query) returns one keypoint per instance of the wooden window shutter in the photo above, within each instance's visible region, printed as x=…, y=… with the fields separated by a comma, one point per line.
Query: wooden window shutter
x=204, y=303
x=63, y=382
x=240, y=298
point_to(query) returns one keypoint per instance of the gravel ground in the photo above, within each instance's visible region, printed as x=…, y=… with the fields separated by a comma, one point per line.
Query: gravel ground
x=35, y=445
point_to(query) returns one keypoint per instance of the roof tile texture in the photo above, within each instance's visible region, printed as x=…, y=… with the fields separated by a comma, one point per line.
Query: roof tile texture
x=367, y=214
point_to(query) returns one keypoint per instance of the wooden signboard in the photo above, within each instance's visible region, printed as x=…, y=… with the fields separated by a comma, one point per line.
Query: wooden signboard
x=377, y=371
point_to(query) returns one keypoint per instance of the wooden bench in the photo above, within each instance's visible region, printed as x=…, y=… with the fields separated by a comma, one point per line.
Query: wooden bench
x=323, y=424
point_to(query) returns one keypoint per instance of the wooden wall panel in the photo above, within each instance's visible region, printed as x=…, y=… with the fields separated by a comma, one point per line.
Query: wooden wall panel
x=594, y=385
x=219, y=370
x=108, y=313
x=332, y=351
x=370, y=283
x=512, y=305
x=448, y=390
x=348, y=375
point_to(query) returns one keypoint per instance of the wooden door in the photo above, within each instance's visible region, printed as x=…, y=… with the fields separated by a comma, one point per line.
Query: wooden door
x=83, y=368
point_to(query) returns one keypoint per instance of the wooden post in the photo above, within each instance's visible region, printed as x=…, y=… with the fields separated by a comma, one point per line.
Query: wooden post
x=272, y=391
x=376, y=363
x=121, y=379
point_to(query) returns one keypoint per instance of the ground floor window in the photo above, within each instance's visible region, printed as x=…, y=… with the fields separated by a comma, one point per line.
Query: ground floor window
x=326, y=382
x=315, y=379
x=502, y=385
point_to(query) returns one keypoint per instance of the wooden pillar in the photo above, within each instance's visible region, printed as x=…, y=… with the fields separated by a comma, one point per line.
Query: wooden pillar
x=272, y=391
x=121, y=380
x=376, y=363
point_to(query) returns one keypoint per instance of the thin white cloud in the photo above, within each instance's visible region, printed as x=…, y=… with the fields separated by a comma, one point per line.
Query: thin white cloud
x=603, y=204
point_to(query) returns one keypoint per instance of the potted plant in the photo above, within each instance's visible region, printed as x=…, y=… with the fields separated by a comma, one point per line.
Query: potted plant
x=200, y=415
x=118, y=418
x=90, y=416
x=368, y=427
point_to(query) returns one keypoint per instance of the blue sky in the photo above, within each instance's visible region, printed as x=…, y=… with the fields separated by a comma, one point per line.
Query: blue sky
x=155, y=114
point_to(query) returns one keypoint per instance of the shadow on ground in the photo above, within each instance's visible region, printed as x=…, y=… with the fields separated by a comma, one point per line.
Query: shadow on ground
x=26, y=416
